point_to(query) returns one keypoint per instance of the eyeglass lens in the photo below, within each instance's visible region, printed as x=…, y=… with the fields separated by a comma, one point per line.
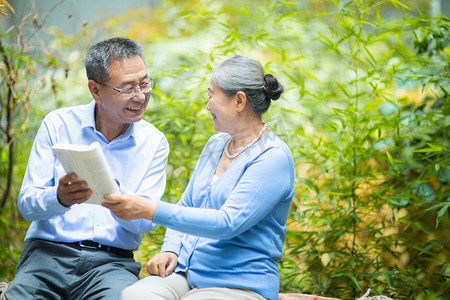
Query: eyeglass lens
x=145, y=87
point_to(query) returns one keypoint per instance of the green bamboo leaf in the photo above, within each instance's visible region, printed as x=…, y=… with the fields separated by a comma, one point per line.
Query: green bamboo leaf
x=355, y=281
x=436, y=146
x=292, y=111
x=368, y=23
x=389, y=157
x=422, y=14
x=417, y=76
x=432, y=148
x=441, y=213
x=373, y=104
x=394, y=2
x=296, y=22
x=289, y=2
x=399, y=39
x=245, y=9
x=429, y=246
x=429, y=150
x=386, y=55
x=327, y=42
x=388, y=278
x=370, y=55
x=312, y=77
x=438, y=205
x=342, y=88
x=312, y=95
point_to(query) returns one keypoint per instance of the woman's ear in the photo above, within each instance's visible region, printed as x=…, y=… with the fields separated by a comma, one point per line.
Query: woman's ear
x=241, y=101
x=94, y=88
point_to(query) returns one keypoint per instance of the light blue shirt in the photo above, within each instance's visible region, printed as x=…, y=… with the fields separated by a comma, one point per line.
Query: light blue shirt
x=230, y=233
x=137, y=159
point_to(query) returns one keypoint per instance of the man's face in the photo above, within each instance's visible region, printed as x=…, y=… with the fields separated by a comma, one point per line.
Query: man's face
x=115, y=109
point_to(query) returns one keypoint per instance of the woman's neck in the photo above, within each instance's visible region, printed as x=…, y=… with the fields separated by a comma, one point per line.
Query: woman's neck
x=246, y=134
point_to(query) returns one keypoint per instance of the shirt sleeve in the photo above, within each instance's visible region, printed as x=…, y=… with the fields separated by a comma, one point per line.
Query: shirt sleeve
x=264, y=183
x=152, y=187
x=38, y=199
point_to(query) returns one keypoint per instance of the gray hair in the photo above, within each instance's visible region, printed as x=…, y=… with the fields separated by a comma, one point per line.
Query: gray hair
x=101, y=54
x=240, y=73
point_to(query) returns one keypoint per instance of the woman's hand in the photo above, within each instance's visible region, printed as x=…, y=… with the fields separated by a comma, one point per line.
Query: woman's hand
x=162, y=264
x=130, y=207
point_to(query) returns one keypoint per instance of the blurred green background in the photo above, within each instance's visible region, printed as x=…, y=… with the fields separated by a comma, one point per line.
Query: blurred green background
x=365, y=113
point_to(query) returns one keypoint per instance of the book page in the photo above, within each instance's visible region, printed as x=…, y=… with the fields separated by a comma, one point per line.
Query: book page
x=90, y=164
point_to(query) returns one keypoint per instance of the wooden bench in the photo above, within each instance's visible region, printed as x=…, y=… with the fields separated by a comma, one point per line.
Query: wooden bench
x=314, y=297
x=289, y=296
x=303, y=297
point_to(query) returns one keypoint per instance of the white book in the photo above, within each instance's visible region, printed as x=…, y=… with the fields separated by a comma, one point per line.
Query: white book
x=89, y=163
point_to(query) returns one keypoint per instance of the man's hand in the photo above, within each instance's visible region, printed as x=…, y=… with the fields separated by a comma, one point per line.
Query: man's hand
x=130, y=207
x=162, y=264
x=70, y=192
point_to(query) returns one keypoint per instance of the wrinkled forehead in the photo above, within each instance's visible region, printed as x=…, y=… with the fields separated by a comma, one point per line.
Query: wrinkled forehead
x=128, y=70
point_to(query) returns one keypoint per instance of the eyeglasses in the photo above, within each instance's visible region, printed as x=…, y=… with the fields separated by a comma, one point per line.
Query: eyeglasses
x=131, y=91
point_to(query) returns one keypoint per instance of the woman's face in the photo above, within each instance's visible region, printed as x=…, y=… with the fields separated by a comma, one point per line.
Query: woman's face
x=222, y=109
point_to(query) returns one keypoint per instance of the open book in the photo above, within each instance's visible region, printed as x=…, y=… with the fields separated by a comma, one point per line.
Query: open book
x=89, y=163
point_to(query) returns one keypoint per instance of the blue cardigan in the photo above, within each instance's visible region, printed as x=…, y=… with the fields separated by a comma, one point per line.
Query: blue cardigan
x=230, y=233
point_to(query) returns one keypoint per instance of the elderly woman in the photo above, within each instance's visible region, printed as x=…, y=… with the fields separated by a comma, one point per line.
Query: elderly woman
x=225, y=236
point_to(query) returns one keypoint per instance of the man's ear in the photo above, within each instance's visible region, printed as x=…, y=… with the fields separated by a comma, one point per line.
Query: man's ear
x=241, y=101
x=94, y=88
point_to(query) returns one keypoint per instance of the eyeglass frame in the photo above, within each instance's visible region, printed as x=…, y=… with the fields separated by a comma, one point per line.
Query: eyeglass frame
x=135, y=88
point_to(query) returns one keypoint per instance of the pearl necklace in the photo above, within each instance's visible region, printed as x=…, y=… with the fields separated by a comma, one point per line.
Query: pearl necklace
x=246, y=147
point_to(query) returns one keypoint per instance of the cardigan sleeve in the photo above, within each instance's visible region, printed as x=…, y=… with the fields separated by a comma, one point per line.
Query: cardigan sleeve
x=265, y=182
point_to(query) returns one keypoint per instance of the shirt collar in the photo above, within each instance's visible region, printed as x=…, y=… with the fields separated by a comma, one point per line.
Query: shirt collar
x=88, y=121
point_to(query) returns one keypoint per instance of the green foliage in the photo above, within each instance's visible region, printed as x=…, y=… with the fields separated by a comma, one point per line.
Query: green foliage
x=18, y=67
x=363, y=214
x=366, y=114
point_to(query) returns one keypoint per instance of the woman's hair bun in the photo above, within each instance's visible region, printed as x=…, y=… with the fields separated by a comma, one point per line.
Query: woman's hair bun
x=272, y=88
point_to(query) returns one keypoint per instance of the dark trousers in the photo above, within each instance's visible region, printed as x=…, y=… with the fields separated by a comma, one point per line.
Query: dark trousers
x=48, y=270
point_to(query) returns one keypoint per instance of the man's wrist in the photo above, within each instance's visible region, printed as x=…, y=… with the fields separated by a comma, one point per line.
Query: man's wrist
x=60, y=201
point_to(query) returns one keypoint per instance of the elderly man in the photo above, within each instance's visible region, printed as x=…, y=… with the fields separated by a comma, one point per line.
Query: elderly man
x=76, y=250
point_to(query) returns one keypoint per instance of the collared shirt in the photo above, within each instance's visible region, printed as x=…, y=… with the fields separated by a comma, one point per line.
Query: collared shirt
x=137, y=159
x=230, y=233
